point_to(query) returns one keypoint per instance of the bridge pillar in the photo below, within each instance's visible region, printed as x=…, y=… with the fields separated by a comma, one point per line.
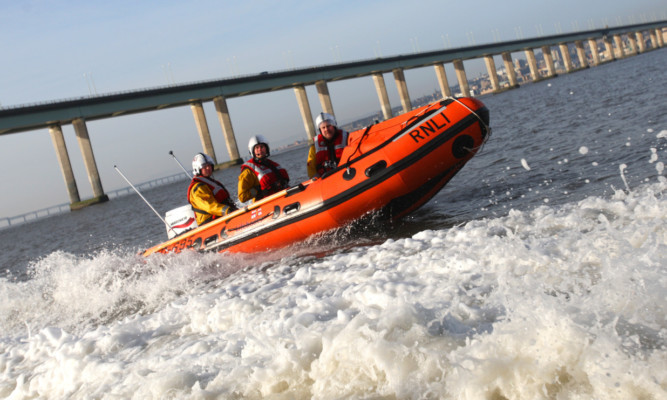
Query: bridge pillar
x=581, y=54
x=86, y=148
x=654, y=39
x=548, y=61
x=399, y=78
x=58, y=140
x=641, y=47
x=660, y=37
x=509, y=67
x=593, y=46
x=442, y=80
x=325, y=99
x=306, y=114
x=620, y=53
x=493, y=73
x=381, y=90
x=461, y=77
x=609, y=49
x=633, y=43
x=565, y=55
x=227, y=129
x=532, y=64
x=202, y=128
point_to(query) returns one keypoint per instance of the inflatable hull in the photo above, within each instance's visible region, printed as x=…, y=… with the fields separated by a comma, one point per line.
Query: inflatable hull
x=394, y=166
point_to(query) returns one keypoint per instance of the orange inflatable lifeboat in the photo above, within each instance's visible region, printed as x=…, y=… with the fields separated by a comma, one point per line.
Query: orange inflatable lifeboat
x=394, y=166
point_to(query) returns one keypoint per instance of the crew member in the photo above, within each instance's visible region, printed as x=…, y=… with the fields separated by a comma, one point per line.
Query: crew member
x=324, y=155
x=208, y=197
x=260, y=177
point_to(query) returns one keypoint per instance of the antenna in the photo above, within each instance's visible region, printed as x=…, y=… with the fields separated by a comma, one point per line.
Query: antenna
x=171, y=153
x=146, y=201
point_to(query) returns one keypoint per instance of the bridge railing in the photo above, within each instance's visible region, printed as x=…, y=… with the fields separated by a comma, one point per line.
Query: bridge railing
x=31, y=216
x=146, y=185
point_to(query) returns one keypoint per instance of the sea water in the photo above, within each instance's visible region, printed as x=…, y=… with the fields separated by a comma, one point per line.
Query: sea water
x=539, y=272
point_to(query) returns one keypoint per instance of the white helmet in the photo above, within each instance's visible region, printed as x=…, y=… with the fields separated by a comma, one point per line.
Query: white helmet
x=254, y=141
x=199, y=161
x=321, y=117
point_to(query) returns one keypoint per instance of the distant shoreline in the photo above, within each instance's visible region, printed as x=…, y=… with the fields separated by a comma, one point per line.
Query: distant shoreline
x=296, y=145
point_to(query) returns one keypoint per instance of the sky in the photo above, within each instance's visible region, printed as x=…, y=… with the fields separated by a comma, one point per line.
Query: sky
x=56, y=50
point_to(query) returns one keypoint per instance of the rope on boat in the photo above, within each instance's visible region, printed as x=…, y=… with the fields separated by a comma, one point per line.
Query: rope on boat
x=481, y=120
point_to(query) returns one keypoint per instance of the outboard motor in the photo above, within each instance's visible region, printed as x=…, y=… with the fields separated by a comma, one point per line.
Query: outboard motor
x=181, y=219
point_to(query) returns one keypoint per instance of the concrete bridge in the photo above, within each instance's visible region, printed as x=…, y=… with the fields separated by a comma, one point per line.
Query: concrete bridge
x=604, y=45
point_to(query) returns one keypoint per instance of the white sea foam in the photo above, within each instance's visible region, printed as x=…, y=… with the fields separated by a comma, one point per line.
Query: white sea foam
x=525, y=165
x=563, y=302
